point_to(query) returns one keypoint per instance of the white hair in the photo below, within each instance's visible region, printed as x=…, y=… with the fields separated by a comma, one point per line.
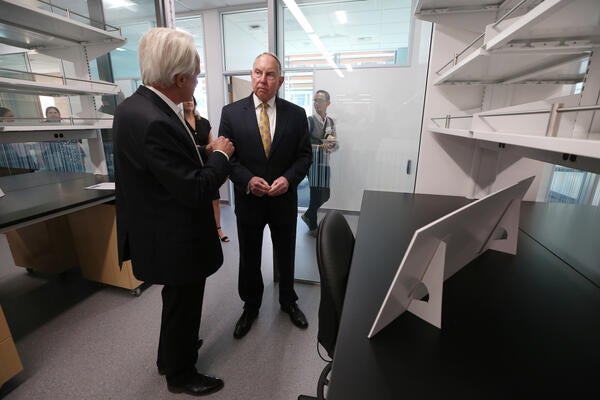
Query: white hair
x=164, y=53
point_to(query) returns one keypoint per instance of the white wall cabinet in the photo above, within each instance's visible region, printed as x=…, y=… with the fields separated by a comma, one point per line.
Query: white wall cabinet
x=511, y=84
x=61, y=34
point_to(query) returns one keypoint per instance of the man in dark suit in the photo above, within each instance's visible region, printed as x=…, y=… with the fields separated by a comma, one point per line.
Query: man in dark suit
x=164, y=191
x=272, y=157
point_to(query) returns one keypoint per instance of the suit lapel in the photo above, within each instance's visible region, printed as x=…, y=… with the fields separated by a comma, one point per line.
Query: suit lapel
x=158, y=102
x=282, y=117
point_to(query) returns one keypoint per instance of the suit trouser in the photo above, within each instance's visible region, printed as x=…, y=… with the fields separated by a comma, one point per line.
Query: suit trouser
x=250, y=281
x=180, y=323
x=318, y=196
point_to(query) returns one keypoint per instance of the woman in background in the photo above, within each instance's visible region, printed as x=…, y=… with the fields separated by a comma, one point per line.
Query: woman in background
x=6, y=115
x=52, y=114
x=201, y=130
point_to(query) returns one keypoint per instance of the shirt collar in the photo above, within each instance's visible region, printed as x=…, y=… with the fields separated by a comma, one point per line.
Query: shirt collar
x=167, y=100
x=258, y=102
x=317, y=115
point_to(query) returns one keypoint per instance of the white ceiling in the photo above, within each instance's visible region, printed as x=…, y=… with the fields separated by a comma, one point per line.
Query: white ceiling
x=184, y=6
x=372, y=24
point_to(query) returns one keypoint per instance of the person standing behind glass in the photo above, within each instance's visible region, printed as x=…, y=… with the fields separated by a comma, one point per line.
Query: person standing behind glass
x=52, y=114
x=323, y=140
x=201, y=130
x=6, y=115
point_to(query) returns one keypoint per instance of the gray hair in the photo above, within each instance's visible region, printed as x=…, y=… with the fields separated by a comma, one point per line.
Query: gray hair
x=164, y=53
x=268, y=53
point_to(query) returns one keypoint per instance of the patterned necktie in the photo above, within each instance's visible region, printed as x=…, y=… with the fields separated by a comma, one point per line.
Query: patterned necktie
x=265, y=128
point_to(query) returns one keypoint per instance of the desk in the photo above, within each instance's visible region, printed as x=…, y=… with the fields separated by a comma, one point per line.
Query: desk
x=53, y=223
x=42, y=195
x=511, y=325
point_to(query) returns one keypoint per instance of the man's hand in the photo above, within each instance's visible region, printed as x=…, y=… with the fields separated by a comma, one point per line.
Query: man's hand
x=258, y=186
x=221, y=143
x=279, y=187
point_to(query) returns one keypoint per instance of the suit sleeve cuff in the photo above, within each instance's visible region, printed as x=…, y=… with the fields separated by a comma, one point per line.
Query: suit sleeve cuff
x=222, y=152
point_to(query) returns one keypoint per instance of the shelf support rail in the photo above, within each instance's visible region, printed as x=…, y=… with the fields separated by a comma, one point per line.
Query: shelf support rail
x=68, y=13
x=448, y=118
x=454, y=59
x=554, y=110
x=65, y=79
x=509, y=13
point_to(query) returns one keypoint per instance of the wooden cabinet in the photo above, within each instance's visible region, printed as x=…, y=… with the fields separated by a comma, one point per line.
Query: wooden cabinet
x=46, y=246
x=95, y=240
x=10, y=363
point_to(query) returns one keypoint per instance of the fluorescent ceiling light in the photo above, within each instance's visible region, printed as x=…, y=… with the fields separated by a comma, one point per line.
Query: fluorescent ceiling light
x=341, y=16
x=297, y=13
x=321, y=47
x=119, y=4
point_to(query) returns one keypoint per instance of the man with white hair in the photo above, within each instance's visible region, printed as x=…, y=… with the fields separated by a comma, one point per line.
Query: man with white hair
x=164, y=191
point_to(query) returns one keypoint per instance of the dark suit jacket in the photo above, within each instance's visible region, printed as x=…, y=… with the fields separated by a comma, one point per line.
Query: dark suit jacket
x=165, y=220
x=290, y=157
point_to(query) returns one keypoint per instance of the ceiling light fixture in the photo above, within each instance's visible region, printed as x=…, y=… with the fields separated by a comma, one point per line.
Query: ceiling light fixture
x=328, y=57
x=110, y=4
x=299, y=15
x=301, y=19
x=341, y=16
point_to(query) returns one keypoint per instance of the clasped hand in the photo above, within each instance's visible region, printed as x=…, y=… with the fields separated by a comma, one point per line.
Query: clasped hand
x=259, y=187
x=221, y=143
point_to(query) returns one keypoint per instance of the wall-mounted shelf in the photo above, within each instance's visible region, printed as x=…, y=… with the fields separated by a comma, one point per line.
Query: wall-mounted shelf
x=581, y=154
x=509, y=67
x=552, y=22
x=25, y=26
x=60, y=33
x=62, y=87
x=541, y=46
x=29, y=136
x=531, y=84
x=546, y=130
x=581, y=147
x=429, y=9
x=51, y=127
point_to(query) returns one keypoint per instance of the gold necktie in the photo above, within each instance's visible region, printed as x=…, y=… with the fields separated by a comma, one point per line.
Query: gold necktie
x=265, y=128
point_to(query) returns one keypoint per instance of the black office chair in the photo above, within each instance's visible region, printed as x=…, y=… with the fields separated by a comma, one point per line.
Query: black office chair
x=335, y=245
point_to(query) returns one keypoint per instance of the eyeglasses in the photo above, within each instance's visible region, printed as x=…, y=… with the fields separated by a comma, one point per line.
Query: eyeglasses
x=319, y=101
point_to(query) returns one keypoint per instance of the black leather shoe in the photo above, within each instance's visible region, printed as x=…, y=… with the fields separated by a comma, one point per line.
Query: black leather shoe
x=244, y=323
x=197, y=385
x=296, y=315
x=161, y=368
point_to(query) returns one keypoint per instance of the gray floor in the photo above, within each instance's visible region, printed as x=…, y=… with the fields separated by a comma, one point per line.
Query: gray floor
x=82, y=340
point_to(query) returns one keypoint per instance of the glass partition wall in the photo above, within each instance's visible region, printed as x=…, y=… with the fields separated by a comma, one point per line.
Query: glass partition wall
x=371, y=58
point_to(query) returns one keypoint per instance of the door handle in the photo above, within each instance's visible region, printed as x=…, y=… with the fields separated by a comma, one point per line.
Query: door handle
x=408, y=164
